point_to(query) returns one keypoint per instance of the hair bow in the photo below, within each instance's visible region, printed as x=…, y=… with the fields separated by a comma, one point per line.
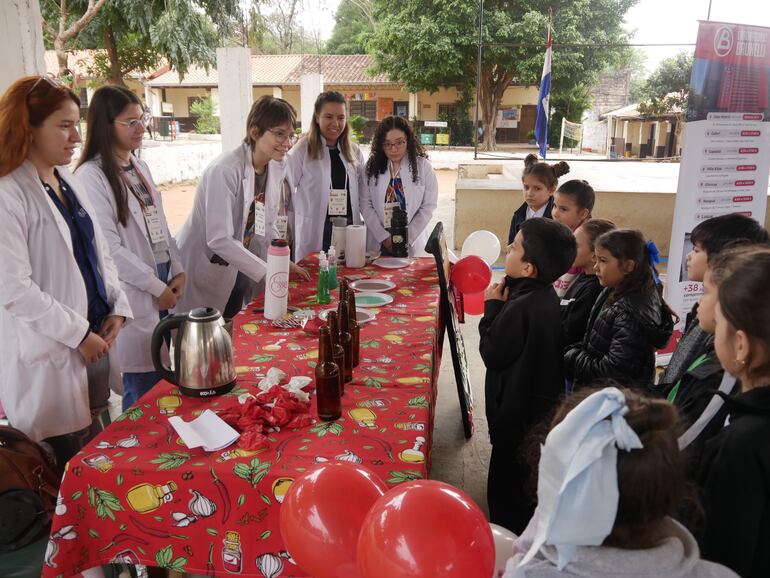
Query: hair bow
x=652, y=250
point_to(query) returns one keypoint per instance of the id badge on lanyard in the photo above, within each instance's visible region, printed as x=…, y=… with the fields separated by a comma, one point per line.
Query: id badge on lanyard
x=338, y=200
x=154, y=225
x=259, y=218
x=281, y=226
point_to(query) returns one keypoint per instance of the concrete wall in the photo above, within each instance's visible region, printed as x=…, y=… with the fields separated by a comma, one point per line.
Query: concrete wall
x=489, y=204
x=176, y=162
x=178, y=97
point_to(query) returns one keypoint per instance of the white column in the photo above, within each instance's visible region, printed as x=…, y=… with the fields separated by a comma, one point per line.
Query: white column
x=277, y=92
x=413, y=106
x=310, y=86
x=21, y=40
x=235, y=93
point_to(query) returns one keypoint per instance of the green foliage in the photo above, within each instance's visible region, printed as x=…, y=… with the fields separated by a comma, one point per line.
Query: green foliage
x=206, y=122
x=667, y=88
x=569, y=103
x=357, y=124
x=427, y=44
x=352, y=29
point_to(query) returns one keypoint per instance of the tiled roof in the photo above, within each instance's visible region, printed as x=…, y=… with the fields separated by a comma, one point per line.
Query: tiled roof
x=285, y=69
x=78, y=61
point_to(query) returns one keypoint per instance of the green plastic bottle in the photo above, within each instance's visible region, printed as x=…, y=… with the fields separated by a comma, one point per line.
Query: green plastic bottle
x=322, y=291
x=333, y=281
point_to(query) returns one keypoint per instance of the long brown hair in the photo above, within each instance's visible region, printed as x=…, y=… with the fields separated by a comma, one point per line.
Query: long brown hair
x=743, y=298
x=314, y=144
x=24, y=105
x=378, y=161
x=106, y=105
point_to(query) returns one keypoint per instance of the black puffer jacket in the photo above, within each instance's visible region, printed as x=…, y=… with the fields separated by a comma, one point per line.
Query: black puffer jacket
x=521, y=215
x=621, y=339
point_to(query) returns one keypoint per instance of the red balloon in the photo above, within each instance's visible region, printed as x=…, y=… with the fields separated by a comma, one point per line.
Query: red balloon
x=426, y=529
x=471, y=274
x=321, y=517
x=473, y=303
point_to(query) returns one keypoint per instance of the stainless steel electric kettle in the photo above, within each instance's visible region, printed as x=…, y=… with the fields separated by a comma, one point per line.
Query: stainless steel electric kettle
x=203, y=352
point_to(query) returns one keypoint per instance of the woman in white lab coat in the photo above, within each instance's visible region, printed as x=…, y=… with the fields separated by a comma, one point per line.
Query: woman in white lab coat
x=398, y=174
x=327, y=170
x=241, y=204
x=61, y=305
x=129, y=209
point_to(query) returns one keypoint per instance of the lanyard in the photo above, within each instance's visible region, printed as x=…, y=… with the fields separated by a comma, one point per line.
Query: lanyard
x=259, y=195
x=697, y=363
x=144, y=182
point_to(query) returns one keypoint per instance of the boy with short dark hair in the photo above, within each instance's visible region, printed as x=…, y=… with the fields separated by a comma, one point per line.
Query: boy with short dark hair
x=522, y=346
x=708, y=238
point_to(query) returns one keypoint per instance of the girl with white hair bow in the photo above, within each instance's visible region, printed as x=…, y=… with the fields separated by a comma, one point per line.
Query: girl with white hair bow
x=610, y=477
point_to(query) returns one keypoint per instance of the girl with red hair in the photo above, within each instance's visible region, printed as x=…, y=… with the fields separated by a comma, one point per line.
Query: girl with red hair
x=61, y=305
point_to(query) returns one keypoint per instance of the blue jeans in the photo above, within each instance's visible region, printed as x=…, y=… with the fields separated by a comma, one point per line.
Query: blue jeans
x=135, y=385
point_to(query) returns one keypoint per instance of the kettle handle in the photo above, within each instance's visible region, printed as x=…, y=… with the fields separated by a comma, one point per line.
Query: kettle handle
x=161, y=330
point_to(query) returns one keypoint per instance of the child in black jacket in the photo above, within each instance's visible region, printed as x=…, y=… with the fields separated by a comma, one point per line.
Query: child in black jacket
x=579, y=299
x=521, y=345
x=538, y=183
x=734, y=474
x=629, y=320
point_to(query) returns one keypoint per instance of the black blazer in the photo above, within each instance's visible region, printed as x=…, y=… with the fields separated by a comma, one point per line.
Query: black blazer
x=521, y=215
x=521, y=343
x=576, y=307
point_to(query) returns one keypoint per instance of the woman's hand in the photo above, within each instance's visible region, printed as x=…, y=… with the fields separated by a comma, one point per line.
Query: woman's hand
x=388, y=244
x=93, y=348
x=177, y=285
x=110, y=328
x=496, y=292
x=300, y=272
x=168, y=299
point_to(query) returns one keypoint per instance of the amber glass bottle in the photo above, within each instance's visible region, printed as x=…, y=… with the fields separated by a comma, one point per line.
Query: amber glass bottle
x=346, y=340
x=338, y=353
x=355, y=329
x=327, y=380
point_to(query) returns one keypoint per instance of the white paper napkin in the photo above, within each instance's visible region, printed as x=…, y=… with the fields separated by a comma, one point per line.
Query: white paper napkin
x=208, y=430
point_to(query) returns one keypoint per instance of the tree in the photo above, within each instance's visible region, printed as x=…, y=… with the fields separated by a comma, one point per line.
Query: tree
x=667, y=88
x=272, y=27
x=140, y=36
x=354, y=25
x=427, y=44
x=70, y=24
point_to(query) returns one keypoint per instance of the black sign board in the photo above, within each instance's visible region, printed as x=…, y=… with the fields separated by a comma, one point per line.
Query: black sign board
x=436, y=245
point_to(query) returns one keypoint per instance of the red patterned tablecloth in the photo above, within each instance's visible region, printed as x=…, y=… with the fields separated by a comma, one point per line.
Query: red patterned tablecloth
x=124, y=496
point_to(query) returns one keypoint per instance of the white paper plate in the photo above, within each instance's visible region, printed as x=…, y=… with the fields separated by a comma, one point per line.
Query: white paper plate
x=373, y=299
x=372, y=285
x=392, y=262
x=362, y=315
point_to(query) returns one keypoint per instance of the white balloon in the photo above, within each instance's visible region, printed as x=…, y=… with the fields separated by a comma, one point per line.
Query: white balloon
x=504, y=540
x=484, y=244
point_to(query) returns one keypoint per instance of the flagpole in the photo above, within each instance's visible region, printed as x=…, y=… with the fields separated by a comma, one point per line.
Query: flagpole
x=478, y=80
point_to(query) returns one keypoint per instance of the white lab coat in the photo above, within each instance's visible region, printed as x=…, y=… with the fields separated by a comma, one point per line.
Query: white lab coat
x=216, y=227
x=44, y=307
x=312, y=179
x=131, y=250
x=421, y=201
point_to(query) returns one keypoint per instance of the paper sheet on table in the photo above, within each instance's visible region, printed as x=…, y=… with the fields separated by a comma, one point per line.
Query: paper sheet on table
x=208, y=430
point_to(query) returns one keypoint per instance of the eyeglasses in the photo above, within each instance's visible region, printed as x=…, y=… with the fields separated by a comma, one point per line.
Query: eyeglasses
x=51, y=80
x=281, y=136
x=133, y=123
x=394, y=145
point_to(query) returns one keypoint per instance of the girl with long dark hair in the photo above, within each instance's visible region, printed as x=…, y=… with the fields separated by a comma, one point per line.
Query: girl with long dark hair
x=629, y=320
x=327, y=169
x=130, y=211
x=410, y=184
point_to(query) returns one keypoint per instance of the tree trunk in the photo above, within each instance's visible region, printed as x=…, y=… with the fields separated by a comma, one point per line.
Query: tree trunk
x=61, y=54
x=493, y=85
x=110, y=44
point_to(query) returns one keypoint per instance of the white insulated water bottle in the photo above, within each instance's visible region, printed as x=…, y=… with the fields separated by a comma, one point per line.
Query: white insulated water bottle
x=277, y=279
